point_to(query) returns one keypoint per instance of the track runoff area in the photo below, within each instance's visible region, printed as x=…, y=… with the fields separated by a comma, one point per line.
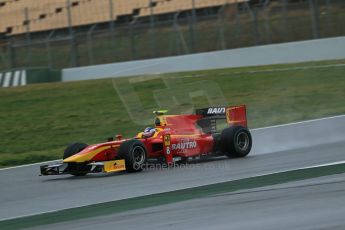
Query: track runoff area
x=312, y=164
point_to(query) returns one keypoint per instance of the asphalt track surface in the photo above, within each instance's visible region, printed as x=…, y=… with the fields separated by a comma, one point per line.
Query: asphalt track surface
x=23, y=192
x=287, y=147
x=309, y=204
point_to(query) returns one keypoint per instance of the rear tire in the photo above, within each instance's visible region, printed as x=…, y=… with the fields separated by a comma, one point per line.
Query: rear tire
x=236, y=141
x=75, y=168
x=216, y=143
x=134, y=153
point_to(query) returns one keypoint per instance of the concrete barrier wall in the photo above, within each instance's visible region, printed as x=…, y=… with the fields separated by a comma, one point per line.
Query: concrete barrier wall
x=13, y=78
x=292, y=52
x=21, y=77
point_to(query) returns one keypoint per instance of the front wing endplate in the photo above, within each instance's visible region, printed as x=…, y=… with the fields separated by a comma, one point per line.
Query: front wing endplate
x=114, y=166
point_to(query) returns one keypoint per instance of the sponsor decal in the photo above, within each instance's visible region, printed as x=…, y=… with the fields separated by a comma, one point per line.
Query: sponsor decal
x=228, y=116
x=167, y=140
x=184, y=145
x=219, y=110
x=116, y=166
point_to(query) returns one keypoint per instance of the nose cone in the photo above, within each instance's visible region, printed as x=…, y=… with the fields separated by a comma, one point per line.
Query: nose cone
x=86, y=155
x=75, y=158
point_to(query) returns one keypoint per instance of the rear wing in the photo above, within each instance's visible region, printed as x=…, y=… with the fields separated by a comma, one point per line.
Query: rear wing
x=234, y=115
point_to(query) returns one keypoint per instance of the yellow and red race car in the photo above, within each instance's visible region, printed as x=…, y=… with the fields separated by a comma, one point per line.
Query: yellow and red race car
x=210, y=131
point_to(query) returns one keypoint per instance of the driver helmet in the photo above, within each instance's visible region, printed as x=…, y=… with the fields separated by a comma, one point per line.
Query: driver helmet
x=149, y=132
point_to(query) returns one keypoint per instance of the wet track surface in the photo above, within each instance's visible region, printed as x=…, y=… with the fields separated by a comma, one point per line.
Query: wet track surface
x=310, y=204
x=23, y=192
x=279, y=148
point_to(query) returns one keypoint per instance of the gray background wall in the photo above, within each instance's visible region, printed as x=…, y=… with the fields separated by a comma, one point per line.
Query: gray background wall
x=292, y=52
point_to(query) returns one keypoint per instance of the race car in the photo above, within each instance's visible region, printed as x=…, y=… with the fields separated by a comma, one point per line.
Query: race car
x=212, y=131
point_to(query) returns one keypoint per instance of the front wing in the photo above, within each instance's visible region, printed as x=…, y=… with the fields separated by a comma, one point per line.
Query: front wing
x=94, y=167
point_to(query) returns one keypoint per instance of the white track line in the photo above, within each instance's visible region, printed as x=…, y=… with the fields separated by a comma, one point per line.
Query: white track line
x=307, y=67
x=268, y=127
x=324, y=165
x=299, y=122
x=27, y=165
x=16, y=78
x=23, y=78
x=7, y=80
x=258, y=175
x=306, y=167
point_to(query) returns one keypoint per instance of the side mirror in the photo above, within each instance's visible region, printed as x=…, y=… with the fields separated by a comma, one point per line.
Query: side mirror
x=119, y=136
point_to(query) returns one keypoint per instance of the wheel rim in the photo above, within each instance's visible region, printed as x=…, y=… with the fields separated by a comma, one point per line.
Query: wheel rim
x=138, y=155
x=242, y=141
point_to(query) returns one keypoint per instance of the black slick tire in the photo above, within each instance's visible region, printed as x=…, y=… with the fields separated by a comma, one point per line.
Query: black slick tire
x=236, y=141
x=134, y=153
x=76, y=169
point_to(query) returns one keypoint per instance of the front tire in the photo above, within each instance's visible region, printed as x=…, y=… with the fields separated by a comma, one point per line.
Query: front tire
x=76, y=169
x=134, y=153
x=236, y=141
x=73, y=149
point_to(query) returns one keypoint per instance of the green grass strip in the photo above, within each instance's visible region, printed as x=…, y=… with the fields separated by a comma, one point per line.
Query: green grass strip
x=170, y=197
x=38, y=121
